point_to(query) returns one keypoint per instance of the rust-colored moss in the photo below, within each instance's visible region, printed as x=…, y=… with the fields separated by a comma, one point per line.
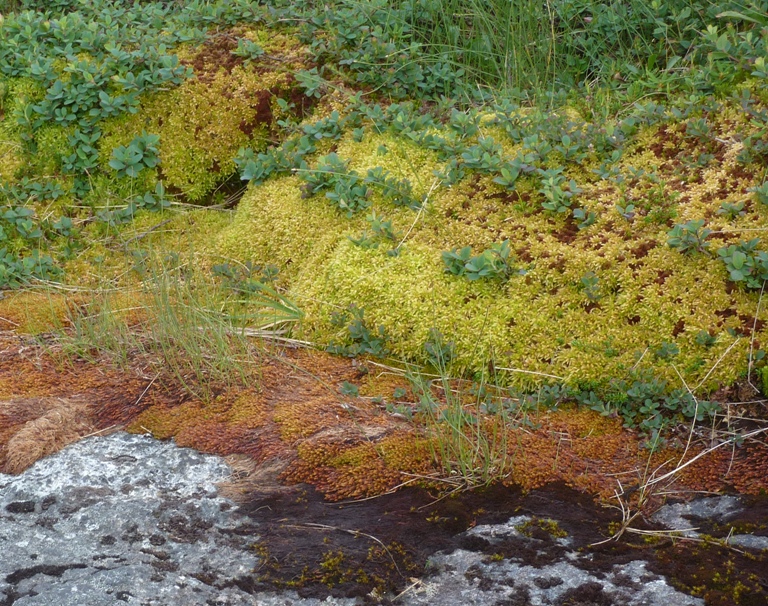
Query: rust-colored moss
x=749, y=473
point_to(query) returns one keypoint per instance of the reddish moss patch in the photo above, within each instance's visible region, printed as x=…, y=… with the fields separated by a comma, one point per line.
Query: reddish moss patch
x=347, y=447
x=749, y=473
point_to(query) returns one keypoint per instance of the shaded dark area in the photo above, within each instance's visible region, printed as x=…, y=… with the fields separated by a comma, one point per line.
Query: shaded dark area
x=28, y=573
x=348, y=550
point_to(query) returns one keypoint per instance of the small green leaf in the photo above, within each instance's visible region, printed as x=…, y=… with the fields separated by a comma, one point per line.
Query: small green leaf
x=349, y=389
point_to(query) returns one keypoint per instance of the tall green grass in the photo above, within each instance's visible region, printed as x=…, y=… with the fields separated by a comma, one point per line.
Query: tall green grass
x=172, y=326
x=499, y=42
x=181, y=324
x=547, y=45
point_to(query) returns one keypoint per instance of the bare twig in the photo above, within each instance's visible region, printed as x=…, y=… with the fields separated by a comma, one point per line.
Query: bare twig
x=146, y=233
x=720, y=359
x=752, y=339
x=530, y=372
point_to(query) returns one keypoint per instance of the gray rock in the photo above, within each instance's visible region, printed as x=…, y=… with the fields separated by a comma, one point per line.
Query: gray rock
x=122, y=518
x=464, y=577
x=748, y=541
x=127, y=519
x=683, y=517
x=510, y=528
x=678, y=516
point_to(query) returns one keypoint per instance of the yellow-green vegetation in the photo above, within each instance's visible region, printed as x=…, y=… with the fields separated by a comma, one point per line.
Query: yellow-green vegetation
x=647, y=294
x=586, y=236
x=551, y=527
x=201, y=125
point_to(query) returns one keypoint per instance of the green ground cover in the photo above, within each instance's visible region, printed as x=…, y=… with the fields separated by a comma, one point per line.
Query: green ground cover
x=565, y=198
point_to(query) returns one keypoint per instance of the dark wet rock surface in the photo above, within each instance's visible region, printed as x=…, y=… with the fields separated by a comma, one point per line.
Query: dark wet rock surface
x=128, y=519
x=707, y=516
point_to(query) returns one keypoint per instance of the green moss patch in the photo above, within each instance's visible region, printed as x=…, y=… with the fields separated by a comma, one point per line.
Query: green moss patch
x=588, y=304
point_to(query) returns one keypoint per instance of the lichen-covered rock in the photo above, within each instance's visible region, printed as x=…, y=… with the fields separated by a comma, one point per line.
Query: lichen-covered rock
x=125, y=518
x=122, y=518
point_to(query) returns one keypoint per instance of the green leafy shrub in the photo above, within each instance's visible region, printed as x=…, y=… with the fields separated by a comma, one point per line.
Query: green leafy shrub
x=745, y=263
x=256, y=168
x=689, y=237
x=494, y=263
x=246, y=278
x=590, y=286
x=141, y=153
x=760, y=192
x=584, y=217
x=397, y=191
x=558, y=193
x=361, y=340
x=153, y=200
x=312, y=82
x=16, y=271
x=383, y=231
x=248, y=50
x=731, y=210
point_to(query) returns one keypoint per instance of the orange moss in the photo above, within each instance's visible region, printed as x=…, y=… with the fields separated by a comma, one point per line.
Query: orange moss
x=33, y=312
x=749, y=473
x=50, y=424
x=36, y=312
x=707, y=473
x=249, y=410
x=381, y=384
x=409, y=452
x=213, y=437
x=346, y=447
x=346, y=470
x=302, y=419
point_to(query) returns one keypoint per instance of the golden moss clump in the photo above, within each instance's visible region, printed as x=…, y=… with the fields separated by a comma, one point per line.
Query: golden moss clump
x=409, y=294
x=273, y=224
x=362, y=468
x=10, y=153
x=305, y=418
x=201, y=127
x=33, y=312
x=647, y=307
x=577, y=447
x=202, y=124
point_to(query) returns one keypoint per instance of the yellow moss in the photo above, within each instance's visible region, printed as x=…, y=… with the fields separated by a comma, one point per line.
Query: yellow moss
x=408, y=294
x=11, y=159
x=33, y=313
x=541, y=322
x=202, y=124
x=282, y=43
x=273, y=224
x=403, y=159
x=17, y=93
x=247, y=411
x=52, y=145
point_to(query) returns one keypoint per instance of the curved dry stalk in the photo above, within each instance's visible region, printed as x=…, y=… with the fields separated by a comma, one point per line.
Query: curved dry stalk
x=645, y=492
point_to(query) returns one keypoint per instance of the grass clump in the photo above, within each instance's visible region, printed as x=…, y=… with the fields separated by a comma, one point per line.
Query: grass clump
x=174, y=325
